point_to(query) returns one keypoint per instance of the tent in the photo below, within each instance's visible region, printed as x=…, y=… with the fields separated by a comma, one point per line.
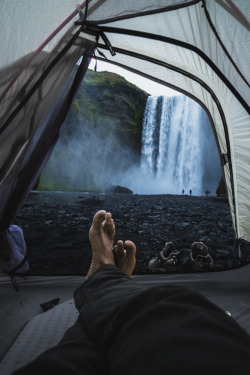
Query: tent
x=187, y=45
x=197, y=47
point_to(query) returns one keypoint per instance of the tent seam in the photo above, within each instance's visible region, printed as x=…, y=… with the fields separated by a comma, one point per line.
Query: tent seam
x=187, y=46
x=145, y=13
x=220, y=41
x=37, y=84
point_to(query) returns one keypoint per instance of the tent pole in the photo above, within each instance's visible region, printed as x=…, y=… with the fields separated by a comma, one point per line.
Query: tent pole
x=242, y=16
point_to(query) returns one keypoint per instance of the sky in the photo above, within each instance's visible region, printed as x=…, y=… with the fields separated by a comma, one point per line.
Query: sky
x=145, y=84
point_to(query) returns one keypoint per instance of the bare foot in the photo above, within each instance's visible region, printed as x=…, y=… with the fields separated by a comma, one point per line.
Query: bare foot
x=101, y=236
x=125, y=256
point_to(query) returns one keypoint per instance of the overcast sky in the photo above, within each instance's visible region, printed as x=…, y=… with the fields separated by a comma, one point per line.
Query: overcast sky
x=145, y=84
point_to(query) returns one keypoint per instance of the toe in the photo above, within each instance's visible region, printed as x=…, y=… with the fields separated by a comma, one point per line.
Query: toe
x=119, y=253
x=108, y=224
x=108, y=218
x=98, y=219
x=130, y=248
x=120, y=249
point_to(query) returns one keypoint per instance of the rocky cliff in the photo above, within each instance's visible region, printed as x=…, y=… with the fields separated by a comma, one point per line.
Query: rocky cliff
x=101, y=134
x=109, y=103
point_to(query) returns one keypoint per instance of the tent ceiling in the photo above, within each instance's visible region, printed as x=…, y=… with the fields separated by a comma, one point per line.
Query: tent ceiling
x=26, y=24
x=205, y=56
x=221, y=86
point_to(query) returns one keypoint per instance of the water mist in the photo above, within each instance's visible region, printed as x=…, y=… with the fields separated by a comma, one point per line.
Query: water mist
x=178, y=150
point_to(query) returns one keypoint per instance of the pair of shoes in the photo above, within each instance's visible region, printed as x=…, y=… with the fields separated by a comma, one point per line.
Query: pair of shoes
x=199, y=258
x=168, y=260
x=171, y=260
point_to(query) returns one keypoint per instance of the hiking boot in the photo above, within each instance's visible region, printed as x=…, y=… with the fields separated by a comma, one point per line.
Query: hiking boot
x=199, y=258
x=167, y=260
x=168, y=248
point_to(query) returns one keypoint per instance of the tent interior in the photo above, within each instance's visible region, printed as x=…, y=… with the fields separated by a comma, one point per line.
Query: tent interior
x=196, y=47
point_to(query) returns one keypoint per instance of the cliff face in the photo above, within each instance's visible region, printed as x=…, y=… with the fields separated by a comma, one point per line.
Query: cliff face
x=102, y=133
x=107, y=101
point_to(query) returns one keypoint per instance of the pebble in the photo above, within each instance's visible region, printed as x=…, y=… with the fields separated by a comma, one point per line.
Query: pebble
x=149, y=221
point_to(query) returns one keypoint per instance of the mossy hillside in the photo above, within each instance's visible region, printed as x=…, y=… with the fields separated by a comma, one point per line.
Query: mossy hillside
x=110, y=104
x=107, y=110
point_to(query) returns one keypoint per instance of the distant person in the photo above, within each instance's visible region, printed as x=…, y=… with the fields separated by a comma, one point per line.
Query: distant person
x=209, y=192
x=190, y=192
x=183, y=191
x=128, y=328
x=206, y=192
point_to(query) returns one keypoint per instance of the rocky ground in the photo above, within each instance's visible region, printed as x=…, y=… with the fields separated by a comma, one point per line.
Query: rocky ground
x=56, y=228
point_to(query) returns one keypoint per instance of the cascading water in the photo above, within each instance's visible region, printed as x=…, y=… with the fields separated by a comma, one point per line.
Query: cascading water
x=178, y=150
x=172, y=152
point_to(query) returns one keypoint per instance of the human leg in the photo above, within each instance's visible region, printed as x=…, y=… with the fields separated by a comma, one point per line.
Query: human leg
x=147, y=330
x=77, y=353
x=166, y=328
x=108, y=280
x=136, y=329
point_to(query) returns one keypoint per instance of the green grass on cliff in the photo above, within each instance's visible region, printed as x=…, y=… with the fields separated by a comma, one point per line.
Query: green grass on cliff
x=108, y=78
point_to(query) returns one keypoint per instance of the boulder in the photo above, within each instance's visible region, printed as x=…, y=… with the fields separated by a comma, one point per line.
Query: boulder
x=119, y=190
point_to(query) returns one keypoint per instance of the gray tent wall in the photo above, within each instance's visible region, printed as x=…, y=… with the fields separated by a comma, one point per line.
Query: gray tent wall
x=199, y=48
x=32, y=115
x=44, y=107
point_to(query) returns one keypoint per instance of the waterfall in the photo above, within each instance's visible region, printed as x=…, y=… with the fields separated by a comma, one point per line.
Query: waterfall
x=171, y=144
x=178, y=150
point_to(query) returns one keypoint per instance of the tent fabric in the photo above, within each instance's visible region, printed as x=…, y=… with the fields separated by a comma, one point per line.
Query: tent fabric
x=209, y=87
x=230, y=118
x=31, y=119
x=200, y=48
x=25, y=25
x=40, y=334
x=229, y=290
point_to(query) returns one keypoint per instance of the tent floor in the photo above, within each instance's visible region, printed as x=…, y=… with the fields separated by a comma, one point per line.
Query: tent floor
x=26, y=331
